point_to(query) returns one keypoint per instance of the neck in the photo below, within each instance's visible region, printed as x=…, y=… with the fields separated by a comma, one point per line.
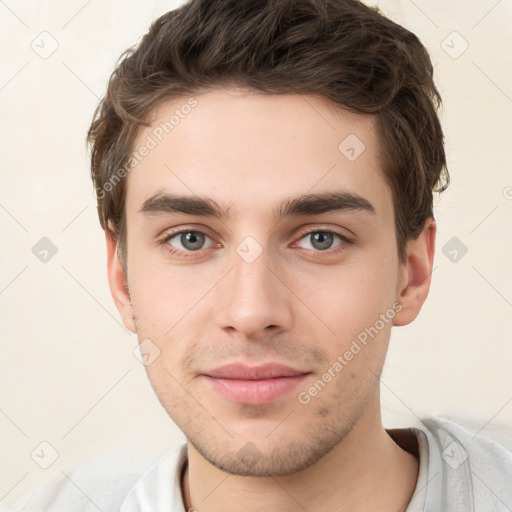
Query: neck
x=366, y=471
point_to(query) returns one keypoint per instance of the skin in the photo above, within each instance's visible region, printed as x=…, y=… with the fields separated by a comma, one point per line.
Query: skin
x=294, y=304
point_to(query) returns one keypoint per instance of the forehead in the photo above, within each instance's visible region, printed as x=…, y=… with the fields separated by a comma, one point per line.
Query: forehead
x=251, y=150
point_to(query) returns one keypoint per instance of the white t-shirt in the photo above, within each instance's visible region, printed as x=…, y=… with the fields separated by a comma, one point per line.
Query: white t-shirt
x=458, y=472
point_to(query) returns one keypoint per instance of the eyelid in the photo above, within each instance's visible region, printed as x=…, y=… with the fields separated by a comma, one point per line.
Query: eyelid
x=322, y=229
x=173, y=232
x=177, y=237
x=169, y=233
x=164, y=240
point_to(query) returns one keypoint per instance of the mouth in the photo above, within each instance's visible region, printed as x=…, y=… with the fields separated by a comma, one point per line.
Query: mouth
x=254, y=385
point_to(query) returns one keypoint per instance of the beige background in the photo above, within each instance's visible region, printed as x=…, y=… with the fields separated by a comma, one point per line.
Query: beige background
x=68, y=374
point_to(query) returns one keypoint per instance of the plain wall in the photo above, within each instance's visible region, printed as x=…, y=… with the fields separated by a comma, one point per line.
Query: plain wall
x=68, y=374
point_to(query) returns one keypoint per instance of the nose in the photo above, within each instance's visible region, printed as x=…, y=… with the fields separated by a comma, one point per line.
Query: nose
x=255, y=303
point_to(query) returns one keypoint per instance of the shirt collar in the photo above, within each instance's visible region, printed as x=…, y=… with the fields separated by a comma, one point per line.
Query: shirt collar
x=159, y=488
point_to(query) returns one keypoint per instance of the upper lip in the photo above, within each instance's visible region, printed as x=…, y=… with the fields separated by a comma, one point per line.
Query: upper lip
x=260, y=372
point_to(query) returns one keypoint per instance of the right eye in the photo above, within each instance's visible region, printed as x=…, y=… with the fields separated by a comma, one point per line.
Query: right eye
x=189, y=240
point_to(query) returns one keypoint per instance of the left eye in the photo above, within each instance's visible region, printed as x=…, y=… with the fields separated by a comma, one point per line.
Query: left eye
x=189, y=241
x=320, y=240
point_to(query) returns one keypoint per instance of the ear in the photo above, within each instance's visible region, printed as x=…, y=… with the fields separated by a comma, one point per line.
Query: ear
x=118, y=283
x=416, y=274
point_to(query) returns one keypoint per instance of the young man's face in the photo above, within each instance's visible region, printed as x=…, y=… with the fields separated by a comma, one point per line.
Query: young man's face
x=251, y=308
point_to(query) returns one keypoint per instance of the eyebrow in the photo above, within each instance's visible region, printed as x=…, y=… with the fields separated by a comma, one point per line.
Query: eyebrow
x=162, y=203
x=312, y=204
x=308, y=204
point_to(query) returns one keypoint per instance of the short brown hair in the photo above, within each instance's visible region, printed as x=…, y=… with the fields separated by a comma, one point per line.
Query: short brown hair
x=336, y=49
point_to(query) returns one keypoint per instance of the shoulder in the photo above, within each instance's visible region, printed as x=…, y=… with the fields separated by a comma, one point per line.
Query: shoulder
x=466, y=467
x=100, y=484
x=479, y=448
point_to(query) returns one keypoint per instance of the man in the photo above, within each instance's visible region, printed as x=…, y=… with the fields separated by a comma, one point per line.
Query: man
x=264, y=173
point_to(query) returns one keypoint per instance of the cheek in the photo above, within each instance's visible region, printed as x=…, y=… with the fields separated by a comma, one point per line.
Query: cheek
x=349, y=298
x=164, y=294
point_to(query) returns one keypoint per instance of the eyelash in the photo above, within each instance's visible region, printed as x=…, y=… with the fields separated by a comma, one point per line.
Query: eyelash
x=176, y=252
x=339, y=248
x=187, y=254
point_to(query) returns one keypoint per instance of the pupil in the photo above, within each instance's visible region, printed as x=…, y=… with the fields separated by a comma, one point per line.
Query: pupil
x=192, y=240
x=321, y=240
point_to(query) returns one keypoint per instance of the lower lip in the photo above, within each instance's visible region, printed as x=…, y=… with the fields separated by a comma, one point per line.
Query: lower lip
x=256, y=392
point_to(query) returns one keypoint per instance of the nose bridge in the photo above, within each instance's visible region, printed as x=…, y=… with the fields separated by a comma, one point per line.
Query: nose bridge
x=251, y=284
x=251, y=278
x=253, y=298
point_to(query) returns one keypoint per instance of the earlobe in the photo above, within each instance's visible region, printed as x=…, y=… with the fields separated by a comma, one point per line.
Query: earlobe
x=117, y=283
x=417, y=273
